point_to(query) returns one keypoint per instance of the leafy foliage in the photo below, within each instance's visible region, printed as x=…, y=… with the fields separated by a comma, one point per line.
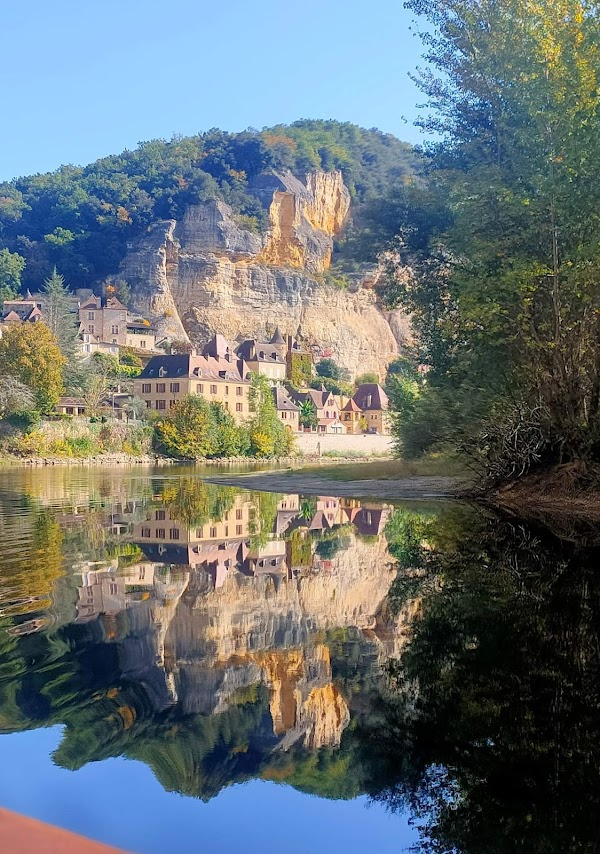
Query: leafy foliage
x=80, y=219
x=29, y=352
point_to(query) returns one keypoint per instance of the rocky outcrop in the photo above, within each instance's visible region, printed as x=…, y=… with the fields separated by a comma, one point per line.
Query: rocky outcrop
x=210, y=273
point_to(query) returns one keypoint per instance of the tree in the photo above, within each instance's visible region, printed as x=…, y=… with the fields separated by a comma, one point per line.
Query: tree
x=15, y=396
x=188, y=431
x=330, y=369
x=29, y=352
x=268, y=436
x=11, y=267
x=308, y=414
x=505, y=281
x=368, y=377
x=58, y=315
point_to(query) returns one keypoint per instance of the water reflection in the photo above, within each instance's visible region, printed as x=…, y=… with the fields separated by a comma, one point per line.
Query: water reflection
x=214, y=634
x=439, y=658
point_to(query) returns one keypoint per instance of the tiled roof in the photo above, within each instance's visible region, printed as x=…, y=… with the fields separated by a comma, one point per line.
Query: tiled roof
x=351, y=406
x=371, y=396
x=283, y=402
x=200, y=367
x=259, y=351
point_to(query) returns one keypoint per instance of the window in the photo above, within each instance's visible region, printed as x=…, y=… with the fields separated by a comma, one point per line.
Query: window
x=213, y=389
x=160, y=533
x=161, y=404
x=284, y=416
x=226, y=530
x=226, y=389
x=226, y=517
x=213, y=532
x=239, y=391
x=142, y=573
x=174, y=534
x=238, y=530
x=91, y=328
x=174, y=386
x=90, y=315
x=172, y=403
x=148, y=404
x=114, y=329
x=160, y=514
x=226, y=405
x=160, y=388
x=143, y=344
x=112, y=589
x=239, y=513
x=199, y=388
x=145, y=532
x=199, y=533
x=238, y=407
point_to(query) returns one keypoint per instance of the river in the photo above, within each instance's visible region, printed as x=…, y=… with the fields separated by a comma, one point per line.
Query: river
x=185, y=666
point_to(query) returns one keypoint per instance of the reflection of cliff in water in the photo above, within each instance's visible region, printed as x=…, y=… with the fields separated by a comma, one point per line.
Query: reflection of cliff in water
x=231, y=635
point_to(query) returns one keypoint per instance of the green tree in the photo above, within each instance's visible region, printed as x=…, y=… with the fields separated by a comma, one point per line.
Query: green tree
x=188, y=431
x=368, y=377
x=308, y=414
x=328, y=368
x=30, y=353
x=11, y=267
x=268, y=436
x=504, y=285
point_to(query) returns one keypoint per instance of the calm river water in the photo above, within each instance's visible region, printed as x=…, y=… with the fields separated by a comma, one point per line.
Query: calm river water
x=189, y=667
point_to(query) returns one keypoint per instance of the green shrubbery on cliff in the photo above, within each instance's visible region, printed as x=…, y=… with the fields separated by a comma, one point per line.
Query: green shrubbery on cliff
x=80, y=219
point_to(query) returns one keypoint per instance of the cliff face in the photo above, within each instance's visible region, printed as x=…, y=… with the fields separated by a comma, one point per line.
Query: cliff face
x=209, y=273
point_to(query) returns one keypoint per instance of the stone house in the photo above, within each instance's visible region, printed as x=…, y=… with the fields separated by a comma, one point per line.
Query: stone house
x=352, y=417
x=374, y=404
x=267, y=358
x=287, y=411
x=224, y=378
x=327, y=409
x=110, y=323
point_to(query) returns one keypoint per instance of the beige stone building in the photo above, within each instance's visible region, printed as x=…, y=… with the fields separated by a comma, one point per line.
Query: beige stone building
x=374, y=404
x=110, y=323
x=223, y=378
x=287, y=411
x=327, y=409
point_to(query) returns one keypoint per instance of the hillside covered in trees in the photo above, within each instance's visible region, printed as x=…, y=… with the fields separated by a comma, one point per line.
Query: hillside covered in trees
x=81, y=218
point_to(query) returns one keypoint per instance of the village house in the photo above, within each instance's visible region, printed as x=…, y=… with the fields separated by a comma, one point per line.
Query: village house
x=327, y=409
x=287, y=411
x=374, y=404
x=110, y=323
x=352, y=417
x=266, y=358
x=216, y=374
x=21, y=311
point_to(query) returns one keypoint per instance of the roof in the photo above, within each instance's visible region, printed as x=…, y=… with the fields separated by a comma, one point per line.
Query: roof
x=318, y=396
x=351, y=406
x=71, y=401
x=371, y=396
x=187, y=365
x=252, y=350
x=283, y=402
x=115, y=303
x=139, y=325
x=91, y=302
x=277, y=337
x=218, y=347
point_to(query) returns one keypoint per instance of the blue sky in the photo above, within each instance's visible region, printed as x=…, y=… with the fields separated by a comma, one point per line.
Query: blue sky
x=80, y=80
x=119, y=802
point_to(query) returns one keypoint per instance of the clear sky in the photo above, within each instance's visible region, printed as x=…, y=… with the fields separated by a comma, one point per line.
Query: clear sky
x=85, y=78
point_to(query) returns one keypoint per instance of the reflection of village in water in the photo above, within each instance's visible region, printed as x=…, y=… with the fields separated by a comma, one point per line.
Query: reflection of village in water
x=215, y=634
x=209, y=610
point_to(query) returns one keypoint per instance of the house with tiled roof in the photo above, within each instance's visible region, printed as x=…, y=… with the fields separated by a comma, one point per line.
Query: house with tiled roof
x=109, y=322
x=20, y=311
x=351, y=416
x=223, y=378
x=287, y=411
x=372, y=400
x=266, y=358
x=326, y=406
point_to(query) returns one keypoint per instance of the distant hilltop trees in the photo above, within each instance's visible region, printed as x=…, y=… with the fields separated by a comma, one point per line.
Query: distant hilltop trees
x=80, y=219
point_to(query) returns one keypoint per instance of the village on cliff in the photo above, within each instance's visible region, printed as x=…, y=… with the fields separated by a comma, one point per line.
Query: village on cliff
x=219, y=372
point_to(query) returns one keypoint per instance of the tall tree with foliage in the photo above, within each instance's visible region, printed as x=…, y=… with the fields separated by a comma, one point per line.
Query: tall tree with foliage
x=268, y=436
x=29, y=352
x=503, y=239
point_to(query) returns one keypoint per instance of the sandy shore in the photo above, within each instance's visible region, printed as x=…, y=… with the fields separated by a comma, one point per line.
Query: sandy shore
x=311, y=483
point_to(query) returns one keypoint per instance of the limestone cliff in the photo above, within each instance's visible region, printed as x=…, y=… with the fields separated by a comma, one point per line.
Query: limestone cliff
x=209, y=272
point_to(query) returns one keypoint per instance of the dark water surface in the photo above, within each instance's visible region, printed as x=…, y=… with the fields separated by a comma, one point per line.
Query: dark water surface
x=185, y=666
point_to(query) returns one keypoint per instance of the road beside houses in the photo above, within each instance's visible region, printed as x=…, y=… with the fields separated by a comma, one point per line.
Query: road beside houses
x=369, y=445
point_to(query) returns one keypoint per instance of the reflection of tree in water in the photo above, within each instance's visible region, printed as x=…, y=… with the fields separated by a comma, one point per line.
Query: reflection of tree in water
x=490, y=731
